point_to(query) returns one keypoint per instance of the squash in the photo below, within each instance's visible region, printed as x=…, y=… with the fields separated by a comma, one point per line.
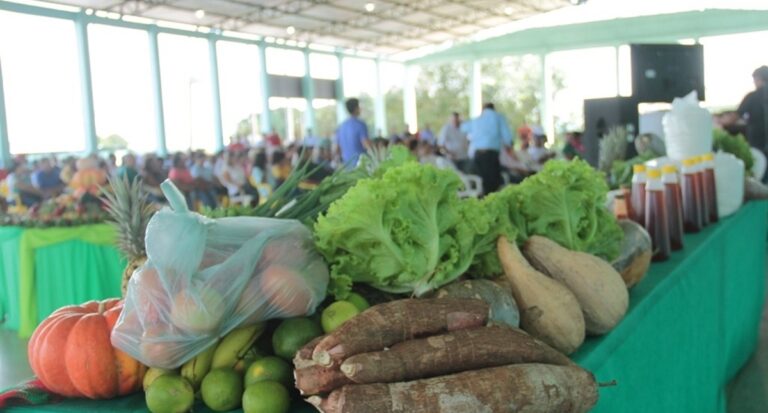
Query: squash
x=636, y=252
x=548, y=309
x=600, y=290
x=71, y=353
x=503, y=307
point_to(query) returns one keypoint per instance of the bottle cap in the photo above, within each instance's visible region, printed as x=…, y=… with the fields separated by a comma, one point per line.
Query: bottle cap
x=639, y=168
x=654, y=174
x=708, y=157
x=668, y=169
x=689, y=162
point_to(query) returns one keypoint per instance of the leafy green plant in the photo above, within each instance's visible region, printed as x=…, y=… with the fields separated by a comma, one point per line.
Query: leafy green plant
x=734, y=144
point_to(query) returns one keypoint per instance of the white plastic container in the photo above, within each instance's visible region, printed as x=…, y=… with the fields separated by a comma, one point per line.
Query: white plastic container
x=729, y=183
x=687, y=128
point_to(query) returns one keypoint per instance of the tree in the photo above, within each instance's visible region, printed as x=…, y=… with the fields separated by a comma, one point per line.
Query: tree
x=112, y=142
x=393, y=102
x=440, y=90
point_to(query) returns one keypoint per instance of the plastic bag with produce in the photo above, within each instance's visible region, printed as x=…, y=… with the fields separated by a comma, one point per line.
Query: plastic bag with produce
x=205, y=277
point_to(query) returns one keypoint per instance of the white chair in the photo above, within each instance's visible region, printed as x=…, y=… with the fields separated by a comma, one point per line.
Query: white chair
x=758, y=169
x=473, y=185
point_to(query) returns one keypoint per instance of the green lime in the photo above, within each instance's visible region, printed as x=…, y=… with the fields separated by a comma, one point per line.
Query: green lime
x=292, y=334
x=153, y=373
x=337, y=313
x=358, y=300
x=170, y=393
x=269, y=369
x=222, y=389
x=266, y=397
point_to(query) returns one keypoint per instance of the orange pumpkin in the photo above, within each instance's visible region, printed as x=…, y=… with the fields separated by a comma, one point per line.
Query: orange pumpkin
x=71, y=353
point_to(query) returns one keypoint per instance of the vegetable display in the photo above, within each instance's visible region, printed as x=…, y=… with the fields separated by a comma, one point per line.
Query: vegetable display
x=469, y=368
x=565, y=203
x=405, y=232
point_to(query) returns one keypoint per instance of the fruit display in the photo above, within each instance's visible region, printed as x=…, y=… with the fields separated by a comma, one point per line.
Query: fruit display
x=414, y=300
x=439, y=366
x=70, y=352
x=62, y=211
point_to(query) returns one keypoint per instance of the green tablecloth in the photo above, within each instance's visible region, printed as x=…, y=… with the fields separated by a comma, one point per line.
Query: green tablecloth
x=44, y=269
x=691, y=325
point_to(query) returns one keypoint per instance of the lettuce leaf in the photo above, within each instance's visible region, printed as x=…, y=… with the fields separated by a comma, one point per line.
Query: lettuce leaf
x=403, y=232
x=565, y=202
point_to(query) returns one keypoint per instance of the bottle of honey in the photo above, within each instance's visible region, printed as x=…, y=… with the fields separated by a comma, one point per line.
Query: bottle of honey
x=691, y=195
x=673, y=197
x=703, y=195
x=637, y=194
x=709, y=186
x=656, y=218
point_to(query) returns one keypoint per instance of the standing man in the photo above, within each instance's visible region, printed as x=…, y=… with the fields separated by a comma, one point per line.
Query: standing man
x=753, y=109
x=352, y=136
x=454, y=143
x=489, y=134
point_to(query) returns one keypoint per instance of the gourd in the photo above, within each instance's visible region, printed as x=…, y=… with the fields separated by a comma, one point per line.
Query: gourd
x=600, y=290
x=548, y=309
x=71, y=353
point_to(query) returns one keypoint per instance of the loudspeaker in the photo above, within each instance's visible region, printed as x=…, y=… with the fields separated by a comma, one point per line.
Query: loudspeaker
x=600, y=115
x=662, y=72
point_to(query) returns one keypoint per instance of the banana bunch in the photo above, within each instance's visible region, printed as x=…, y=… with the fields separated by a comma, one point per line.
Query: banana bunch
x=235, y=350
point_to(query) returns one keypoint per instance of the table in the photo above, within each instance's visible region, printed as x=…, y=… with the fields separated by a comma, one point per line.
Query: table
x=43, y=269
x=691, y=325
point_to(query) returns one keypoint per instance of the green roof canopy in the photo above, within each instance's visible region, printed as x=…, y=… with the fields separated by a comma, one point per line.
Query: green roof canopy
x=661, y=28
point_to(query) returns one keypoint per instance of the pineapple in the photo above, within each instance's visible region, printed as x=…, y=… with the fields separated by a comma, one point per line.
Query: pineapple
x=613, y=147
x=129, y=212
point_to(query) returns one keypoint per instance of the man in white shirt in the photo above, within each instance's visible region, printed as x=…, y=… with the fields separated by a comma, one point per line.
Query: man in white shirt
x=453, y=142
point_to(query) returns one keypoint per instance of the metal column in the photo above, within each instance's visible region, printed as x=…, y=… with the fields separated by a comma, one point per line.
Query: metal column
x=410, y=114
x=215, y=93
x=86, y=86
x=475, y=89
x=379, y=104
x=5, y=148
x=266, y=124
x=157, y=91
x=308, y=89
x=547, y=121
x=341, y=109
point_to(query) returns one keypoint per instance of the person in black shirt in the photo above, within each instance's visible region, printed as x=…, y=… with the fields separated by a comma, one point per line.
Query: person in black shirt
x=753, y=110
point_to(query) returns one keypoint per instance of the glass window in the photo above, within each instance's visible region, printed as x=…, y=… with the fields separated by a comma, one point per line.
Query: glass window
x=122, y=88
x=285, y=62
x=323, y=66
x=240, y=88
x=187, y=98
x=41, y=80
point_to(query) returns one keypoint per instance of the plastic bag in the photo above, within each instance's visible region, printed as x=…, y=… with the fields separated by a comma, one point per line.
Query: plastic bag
x=205, y=277
x=729, y=178
x=687, y=128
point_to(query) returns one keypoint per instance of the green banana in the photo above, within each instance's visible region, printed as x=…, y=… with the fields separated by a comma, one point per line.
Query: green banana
x=153, y=373
x=252, y=355
x=194, y=370
x=235, y=345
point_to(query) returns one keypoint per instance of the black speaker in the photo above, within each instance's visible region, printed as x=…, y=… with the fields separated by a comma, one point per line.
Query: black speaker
x=662, y=72
x=600, y=115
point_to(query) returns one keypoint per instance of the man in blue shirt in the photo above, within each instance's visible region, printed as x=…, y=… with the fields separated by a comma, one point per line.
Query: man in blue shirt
x=46, y=178
x=489, y=133
x=352, y=136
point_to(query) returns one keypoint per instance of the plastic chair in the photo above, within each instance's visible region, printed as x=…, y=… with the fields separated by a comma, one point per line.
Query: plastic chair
x=473, y=186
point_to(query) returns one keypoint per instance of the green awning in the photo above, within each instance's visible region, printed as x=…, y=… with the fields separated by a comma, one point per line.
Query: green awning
x=661, y=28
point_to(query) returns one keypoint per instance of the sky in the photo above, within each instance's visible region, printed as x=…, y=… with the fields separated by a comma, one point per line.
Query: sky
x=43, y=97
